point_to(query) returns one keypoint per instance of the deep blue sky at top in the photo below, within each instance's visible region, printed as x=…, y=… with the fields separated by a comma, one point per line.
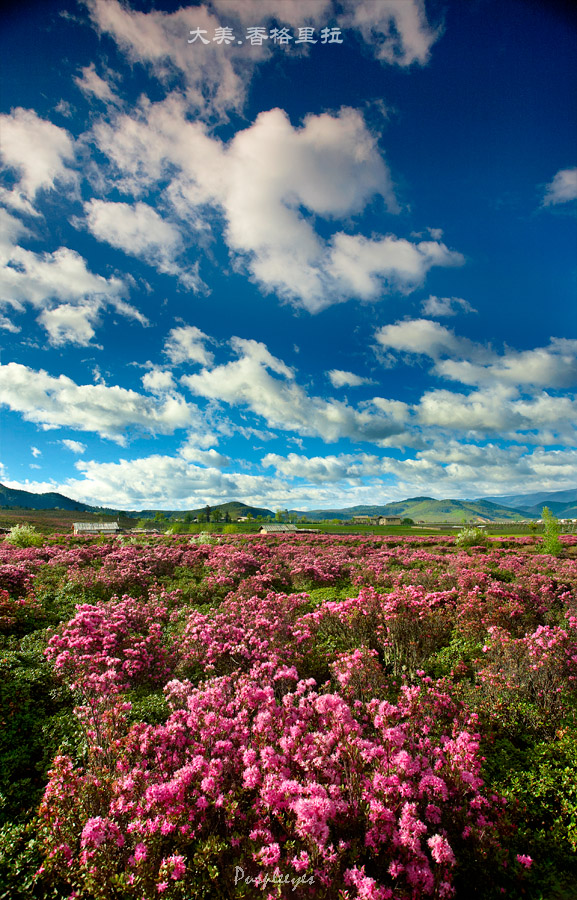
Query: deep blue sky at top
x=438, y=375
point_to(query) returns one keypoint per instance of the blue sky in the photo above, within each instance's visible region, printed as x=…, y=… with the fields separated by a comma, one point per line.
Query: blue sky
x=290, y=273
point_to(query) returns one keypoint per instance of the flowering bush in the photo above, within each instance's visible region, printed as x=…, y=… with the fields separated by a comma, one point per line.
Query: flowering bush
x=333, y=716
x=539, y=666
x=110, y=646
x=282, y=776
x=16, y=611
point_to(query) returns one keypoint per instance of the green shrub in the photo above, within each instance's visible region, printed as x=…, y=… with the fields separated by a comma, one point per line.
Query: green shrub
x=147, y=706
x=471, y=537
x=177, y=528
x=57, y=596
x=552, y=529
x=539, y=780
x=24, y=536
x=325, y=594
x=36, y=721
x=458, y=658
x=20, y=858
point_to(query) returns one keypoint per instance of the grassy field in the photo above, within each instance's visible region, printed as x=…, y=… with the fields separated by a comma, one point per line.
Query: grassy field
x=327, y=528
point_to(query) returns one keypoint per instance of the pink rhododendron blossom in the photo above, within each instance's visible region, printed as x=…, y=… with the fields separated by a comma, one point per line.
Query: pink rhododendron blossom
x=441, y=850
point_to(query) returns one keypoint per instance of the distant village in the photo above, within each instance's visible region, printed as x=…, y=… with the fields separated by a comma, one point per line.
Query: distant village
x=265, y=527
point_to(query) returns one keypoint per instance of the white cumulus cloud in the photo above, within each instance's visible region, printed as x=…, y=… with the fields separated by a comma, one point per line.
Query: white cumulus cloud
x=209, y=458
x=263, y=182
x=69, y=296
x=562, y=189
x=325, y=469
x=250, y=381
x=139, y=231
x=367, y=268
x=92, y=85
x=470, y=362
x=187, y=343
x=68, y=324
x=158, y=381
x=39, y=151
x=421, y=336
x=112, y=412
x=215, y=77
x=501, y=410
x=396, y=30
x=163, y=482
x=339, y=378
x=445, y=306
x=74, y=446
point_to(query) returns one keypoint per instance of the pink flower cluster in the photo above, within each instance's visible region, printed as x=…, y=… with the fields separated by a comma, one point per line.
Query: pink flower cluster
x=292, y=778
x=14, y=609
x=242, y=632
x=110, y=646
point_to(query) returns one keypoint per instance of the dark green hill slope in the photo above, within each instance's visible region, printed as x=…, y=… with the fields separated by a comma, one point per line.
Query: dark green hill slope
x=9, y=497
x=234, y=508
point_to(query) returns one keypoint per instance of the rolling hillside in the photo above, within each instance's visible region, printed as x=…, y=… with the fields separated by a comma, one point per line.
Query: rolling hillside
x=426, y=509
x=22, y=500
x=562, y=504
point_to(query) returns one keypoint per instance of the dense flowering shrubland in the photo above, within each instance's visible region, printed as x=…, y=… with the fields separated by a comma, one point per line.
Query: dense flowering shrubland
x=278, y=774
x=332, y=717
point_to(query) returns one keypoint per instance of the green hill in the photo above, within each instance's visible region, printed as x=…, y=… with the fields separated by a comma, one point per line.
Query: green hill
x=11, y=498
x=426, y=509
x=234, y=508
x=561, y=510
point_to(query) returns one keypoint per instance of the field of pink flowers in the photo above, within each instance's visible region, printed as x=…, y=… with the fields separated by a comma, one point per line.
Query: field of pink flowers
x=303, y=716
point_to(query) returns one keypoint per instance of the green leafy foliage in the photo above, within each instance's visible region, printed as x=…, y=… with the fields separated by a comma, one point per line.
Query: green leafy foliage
x=24, y=536
x=471, y=537
x=35, y=720
x=538, y=778
x=21, y=858
x=552, y=530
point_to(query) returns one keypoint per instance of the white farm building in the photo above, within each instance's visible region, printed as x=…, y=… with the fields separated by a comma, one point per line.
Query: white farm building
x=96, y=527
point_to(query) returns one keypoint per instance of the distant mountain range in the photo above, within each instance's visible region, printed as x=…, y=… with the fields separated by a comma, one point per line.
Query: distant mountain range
x=562, y=504
x=508, y=508
x=10, y=498
x=426, y=509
